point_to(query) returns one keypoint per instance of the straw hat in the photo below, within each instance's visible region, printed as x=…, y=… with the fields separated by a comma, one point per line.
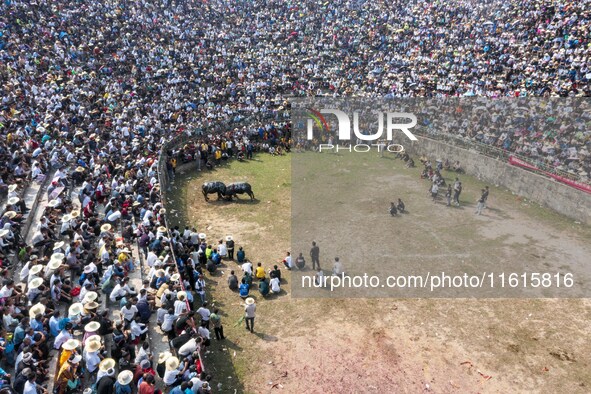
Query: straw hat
x=34, y=270
x=58, y=256
x=162, y=357
x=249, y=301
x=3, y=233
x=175, y=277
x=12, y=188
x=93, y=326
x=135, y=204
x=9, y=214
x=92, y=346
x=181, y=295
x=35, y=283
x=107, y=364
x=90, y=305
x=52, y=203
x=71, y=344
x=160, y=272
x=66, y=218
x=94, y=338
x=36, y=309
x=75, y=309
x=125, y=377
x=172, y=363
x=75, y=213
x=79, y=169
x=90, y=296
x=105, y=227
x=162, y=211
x=161, y=229
x=58, y=245
x=13, y=200
x=202, y=236
x=229, y=238
x=53, y=264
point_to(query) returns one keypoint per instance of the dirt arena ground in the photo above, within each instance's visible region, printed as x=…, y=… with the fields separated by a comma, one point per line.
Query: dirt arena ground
x=379, y=345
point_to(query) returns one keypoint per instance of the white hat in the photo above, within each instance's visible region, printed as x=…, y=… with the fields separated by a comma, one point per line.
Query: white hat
x=125, y=377
x=52, y=203
x=229, y=238
x=35, y=283
x=71, y=344
x=88, y=269
x=3, y=233
x=202, y=236
x=164, y=356
x=106, y=364
x=92, y=346
x=58, y=256
x=105, y=227
x=58, y=245
x=9, y=214
x=90, y=296
x=172, y=363
x=175, y=277
x=77, y=359
x=54, y=264
x=12, y=188
x=75, y=309
x=13, y=200
x=181, y=295
x=75, y=213
x=249, y=301
x=36, y=309
x=90, y=305
x=66, y=218
x=34, y=270
x=93, y=326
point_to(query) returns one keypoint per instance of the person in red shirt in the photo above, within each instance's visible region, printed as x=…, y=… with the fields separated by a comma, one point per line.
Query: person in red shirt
x=145, y=367
x=147, y=386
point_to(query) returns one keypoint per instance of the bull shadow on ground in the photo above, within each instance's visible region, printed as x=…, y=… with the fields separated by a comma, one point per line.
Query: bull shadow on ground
x=234, y=200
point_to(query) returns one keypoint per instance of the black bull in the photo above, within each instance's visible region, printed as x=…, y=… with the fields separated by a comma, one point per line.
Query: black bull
x=229, y=191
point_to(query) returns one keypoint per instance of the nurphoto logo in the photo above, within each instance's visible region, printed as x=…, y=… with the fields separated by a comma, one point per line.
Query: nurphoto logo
x=365, y=140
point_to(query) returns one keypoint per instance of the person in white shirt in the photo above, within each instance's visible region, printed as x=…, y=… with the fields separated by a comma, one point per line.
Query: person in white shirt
x=180, y=305
x=222, y=250
x=204, y=312
x=338, y=269
x=275, y=285
x=287, y=261
x=63, y=337
x=168, y=323
x=151, y=259
x=137, y=329
x=204, y=333
x=31, y=386
x=247, y=267
x=189, y=347
x=128, y=311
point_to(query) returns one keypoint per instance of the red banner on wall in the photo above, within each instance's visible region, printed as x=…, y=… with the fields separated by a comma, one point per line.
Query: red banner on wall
x=577, y=185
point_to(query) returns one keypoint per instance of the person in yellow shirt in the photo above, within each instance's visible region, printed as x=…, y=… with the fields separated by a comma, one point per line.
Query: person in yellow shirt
x=260, y=272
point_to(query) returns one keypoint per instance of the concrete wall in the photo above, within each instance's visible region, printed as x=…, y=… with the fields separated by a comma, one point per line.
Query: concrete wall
x=564, y=199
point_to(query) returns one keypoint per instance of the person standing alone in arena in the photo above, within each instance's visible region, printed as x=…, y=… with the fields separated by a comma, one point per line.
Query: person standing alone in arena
x=315, y=255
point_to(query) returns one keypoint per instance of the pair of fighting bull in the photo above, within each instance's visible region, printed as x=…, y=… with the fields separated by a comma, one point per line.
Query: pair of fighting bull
x=226, y=191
